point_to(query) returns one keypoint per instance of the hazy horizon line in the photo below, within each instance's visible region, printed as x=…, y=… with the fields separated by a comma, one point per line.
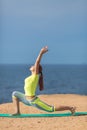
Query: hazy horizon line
x=44, y=63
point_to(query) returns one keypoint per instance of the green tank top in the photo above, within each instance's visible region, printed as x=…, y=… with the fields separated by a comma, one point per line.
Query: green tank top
x=31, y=83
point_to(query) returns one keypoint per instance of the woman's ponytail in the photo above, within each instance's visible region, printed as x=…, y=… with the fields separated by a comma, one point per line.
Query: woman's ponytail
x=41, y=87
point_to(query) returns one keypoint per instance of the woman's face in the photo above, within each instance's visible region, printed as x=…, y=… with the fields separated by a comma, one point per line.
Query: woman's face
x=32, y=68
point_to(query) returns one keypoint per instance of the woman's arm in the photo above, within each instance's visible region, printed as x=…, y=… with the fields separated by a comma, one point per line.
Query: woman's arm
x=42, y=51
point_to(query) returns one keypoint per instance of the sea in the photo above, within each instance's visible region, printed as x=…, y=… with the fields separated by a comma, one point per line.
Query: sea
x=58, y=79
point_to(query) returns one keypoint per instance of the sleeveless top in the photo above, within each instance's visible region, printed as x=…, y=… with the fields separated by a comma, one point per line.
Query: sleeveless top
x=31, y=83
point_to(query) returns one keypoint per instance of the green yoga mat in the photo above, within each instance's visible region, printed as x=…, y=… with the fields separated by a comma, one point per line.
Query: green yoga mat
x=44, y=115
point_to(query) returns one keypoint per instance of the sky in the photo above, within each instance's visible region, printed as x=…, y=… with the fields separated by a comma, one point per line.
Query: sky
x=28, y=25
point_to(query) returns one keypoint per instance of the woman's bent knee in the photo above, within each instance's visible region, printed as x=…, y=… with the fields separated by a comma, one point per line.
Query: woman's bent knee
x=14, y=94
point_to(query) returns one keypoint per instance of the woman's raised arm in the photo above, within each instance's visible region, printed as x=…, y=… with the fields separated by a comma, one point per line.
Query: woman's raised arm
x=37, y=62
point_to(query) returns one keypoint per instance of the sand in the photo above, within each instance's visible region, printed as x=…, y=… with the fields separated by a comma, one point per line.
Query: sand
x=48, y=123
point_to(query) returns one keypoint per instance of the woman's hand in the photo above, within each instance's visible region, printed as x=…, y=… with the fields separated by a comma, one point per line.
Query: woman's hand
x=44, y=50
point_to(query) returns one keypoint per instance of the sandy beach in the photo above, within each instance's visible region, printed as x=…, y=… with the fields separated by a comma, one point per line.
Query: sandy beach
x=48, y=123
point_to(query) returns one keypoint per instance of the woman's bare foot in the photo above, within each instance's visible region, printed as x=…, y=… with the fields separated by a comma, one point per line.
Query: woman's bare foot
x=72, y=109
x=15, y=114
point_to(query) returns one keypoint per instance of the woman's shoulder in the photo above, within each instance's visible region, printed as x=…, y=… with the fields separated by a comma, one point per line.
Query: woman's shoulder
x=32, y=76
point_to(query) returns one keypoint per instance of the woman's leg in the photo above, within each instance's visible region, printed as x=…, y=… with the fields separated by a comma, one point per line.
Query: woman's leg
x=18, y=96
x=62, y=108
x=16, y=105
x=43, y=106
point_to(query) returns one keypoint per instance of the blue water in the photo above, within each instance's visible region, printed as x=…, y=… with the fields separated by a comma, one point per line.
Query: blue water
x=58, y=79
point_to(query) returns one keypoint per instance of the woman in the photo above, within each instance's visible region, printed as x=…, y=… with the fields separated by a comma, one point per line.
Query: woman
x=31, y=83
